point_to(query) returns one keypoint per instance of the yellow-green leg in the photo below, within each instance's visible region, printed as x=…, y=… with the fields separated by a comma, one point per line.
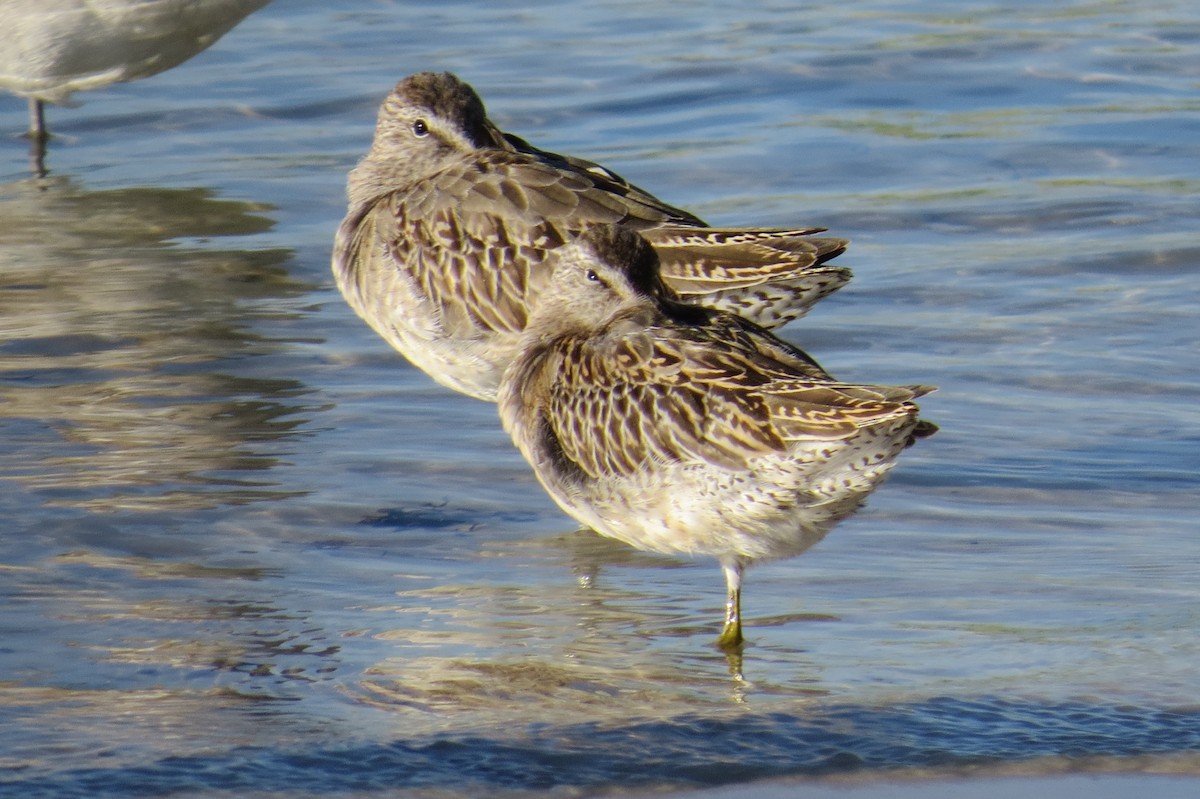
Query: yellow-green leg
x=731, y=634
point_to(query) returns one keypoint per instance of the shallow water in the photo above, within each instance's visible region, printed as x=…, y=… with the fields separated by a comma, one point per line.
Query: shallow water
x=248, y=549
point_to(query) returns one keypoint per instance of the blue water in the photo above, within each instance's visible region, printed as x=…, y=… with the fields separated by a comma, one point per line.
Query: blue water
x=247, y=549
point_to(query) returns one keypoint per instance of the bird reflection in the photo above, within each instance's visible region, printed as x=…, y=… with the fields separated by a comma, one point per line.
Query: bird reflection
x=53, y=48
x=120, y=346
x=466, y=647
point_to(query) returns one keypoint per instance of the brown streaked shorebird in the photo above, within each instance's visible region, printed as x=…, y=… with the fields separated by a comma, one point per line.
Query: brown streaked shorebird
x=454, y=228
x=680, y=429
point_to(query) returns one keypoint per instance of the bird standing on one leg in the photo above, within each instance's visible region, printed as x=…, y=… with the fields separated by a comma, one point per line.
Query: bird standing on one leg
x=50, y=49
x=681, y=429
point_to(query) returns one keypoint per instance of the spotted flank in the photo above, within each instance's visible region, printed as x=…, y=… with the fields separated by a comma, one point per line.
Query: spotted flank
x=683, y=429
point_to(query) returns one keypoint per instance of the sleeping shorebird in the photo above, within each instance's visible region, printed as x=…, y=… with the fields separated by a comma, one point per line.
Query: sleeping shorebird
x=454, y=229
x=680, y=429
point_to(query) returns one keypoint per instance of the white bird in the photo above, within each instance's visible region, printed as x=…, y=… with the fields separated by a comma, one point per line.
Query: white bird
x=50, y=49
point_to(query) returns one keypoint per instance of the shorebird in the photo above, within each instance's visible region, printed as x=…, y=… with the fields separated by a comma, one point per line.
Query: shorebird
x=454, y=228
x=50, y=49
x=681, y=429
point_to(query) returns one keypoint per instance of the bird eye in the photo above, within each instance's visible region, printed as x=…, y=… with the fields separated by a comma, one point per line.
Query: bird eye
x=420, y=128
x=592, y=276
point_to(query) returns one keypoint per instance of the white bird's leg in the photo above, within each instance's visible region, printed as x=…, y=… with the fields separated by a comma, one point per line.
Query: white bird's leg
x=37, y=137
x=37, y=119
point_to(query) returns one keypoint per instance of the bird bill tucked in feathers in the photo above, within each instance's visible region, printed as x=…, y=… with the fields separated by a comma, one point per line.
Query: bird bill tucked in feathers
x=681, y=429
x=454, y=228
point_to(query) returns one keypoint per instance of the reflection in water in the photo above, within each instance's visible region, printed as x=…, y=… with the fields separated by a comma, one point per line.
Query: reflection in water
x=51, y=50
x=217, y=684
x=131, y=659
x=122, y=345
x=937, y=737
x=137, y=380
x=527, y=645
x=1031, y=603
x=116, y=717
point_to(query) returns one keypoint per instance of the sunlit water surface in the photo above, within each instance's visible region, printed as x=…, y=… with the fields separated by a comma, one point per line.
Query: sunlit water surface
x=248, y=549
